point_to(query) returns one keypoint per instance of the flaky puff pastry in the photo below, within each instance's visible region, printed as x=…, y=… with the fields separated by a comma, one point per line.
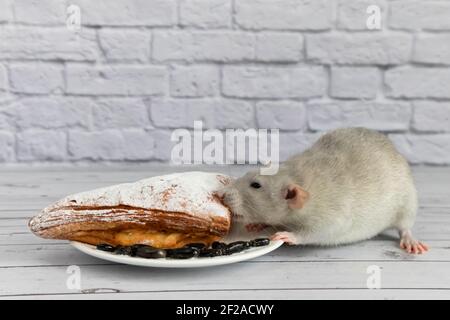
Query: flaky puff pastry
x=167, y=211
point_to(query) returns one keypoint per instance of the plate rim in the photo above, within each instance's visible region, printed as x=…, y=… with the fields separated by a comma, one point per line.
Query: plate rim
x=172, y=263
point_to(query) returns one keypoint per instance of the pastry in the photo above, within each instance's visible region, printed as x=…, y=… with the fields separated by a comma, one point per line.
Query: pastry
x=167, y=211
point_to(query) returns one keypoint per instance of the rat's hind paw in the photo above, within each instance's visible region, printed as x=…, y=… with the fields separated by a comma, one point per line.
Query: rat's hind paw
x=287, y=237
x=411, y=245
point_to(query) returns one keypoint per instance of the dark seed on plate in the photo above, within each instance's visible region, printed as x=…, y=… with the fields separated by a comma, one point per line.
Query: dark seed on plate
x=150, y=252
x=197, y=245
x=106, y=247
x=244, y=243
x=218, y=245
x=135, y=247
x=235, y=247
x=182, y=253
x=259, y=242
x=209, y=253
x=124, y=250
x=139, y=245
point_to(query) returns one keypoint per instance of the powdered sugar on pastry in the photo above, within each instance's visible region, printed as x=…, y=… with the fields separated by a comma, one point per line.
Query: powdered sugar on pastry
x=191, y=193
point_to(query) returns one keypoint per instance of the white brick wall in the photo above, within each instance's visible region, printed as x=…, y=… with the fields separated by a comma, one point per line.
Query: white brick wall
x=137, y=69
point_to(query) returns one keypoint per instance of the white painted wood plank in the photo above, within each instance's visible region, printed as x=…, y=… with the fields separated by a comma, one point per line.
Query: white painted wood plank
x=17, y=214
x=425, y=215
x=429, y=226
x=383, y=250
x=9, y=204
x=36, y=188
x=37, y=176
x=24, y=191
x=432, y=224
x=241, y=276
x=426, y=212
x=25, y=238
x=267, y=294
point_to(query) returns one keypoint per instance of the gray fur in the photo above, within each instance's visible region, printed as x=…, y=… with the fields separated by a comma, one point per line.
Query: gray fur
x=359, y=185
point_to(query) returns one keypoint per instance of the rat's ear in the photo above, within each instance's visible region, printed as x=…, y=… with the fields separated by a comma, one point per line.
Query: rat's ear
x=295, y=196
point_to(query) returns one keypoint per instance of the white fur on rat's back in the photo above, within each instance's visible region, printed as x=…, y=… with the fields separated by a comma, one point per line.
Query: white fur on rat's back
x=359, y=185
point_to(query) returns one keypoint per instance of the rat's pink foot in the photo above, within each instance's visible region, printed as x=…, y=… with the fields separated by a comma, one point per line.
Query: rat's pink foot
x=411, y=245
x=255, y=227
x=287, y=237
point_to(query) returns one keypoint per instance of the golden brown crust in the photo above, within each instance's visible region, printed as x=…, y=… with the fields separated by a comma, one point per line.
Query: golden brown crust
x=157, y=228
x=164, y=210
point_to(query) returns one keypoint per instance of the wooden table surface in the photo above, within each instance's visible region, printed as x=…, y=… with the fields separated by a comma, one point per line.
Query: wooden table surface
x=34, y=268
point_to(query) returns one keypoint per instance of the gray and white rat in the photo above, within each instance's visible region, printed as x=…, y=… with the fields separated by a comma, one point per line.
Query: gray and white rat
x=349, y=186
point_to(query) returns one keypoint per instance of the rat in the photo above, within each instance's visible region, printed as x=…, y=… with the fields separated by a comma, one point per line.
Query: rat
x=349, y=186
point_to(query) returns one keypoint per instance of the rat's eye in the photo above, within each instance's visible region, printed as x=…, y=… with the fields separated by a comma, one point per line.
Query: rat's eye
x=255, y=185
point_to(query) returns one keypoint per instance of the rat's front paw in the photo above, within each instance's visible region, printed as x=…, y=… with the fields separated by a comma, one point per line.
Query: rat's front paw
x=287, y=237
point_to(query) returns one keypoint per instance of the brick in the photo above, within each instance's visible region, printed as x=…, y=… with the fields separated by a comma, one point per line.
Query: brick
x=417, y=82
x=6, y=146
x=120, y=113
x=131, y=144
x=283, y=115
x=170, y=113
x=233, y=114
x=194, y=81
x=139, y=145
x=116, y=80
x=205, y=14
x=359, y=48
x=125, y=45
x=98, y=145
x=40, y=11
x=352, y=14
x=414, y=15
x=278, y=47
x=203, y=46
x=6, y=14
x=6, y=98
x=424, y=149
x=354, y=82
x=6, y=120
x=293, y=143
x=432, y=49
x=52, y=113
x=127, y=13
x=219, y=113
x=431, y=116
x=372, y=115
x=273, y=82
x=36, y=78
x=3, y=78
x=284, y=14
x=163, y=144
x=40, y=145
x=236, y=153
x=31, y=43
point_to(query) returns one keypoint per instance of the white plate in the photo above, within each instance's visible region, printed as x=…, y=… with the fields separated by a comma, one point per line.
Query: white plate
x=175, y=263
